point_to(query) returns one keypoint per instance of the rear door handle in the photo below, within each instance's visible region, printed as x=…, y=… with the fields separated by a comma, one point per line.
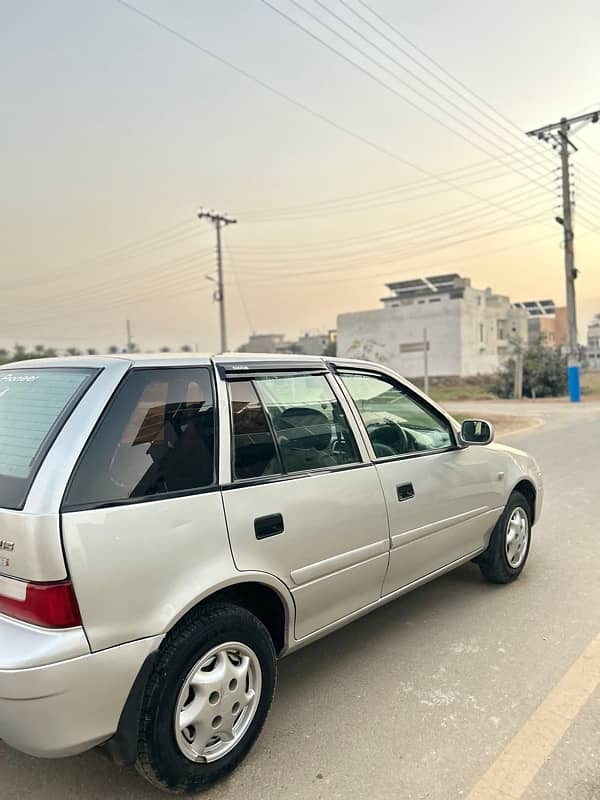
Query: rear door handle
x=405, y=491
x=271, y=525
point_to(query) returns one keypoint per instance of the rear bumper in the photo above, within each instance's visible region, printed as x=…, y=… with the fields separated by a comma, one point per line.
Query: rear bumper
x=66, y=707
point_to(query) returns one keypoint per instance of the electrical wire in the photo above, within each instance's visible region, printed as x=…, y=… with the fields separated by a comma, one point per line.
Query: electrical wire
x=413, y=75
x=378, y=80
x=289, y=99
x=126, y=250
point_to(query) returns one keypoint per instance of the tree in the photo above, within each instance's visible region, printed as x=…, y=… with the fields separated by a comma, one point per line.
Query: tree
x=165, y=349
x=40, y=349
x=544, y=373
x=185, y=348
x=91, y=351
x=330, y=350
x=72, y=351
x=113, y=349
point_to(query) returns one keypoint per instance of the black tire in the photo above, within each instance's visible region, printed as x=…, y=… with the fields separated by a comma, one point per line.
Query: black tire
x=160, y=759
x=494, y=563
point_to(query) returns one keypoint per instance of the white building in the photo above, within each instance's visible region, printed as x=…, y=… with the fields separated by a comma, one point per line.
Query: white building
x=469, y=331
x=593, y=343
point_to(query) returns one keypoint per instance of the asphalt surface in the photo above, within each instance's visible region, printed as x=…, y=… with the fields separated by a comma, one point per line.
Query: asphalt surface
x=418, y=700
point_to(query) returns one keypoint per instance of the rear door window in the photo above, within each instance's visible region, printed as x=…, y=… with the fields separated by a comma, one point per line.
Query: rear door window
x=156, y=438
x=34, y=404
x=254, y=450
x=310, y=426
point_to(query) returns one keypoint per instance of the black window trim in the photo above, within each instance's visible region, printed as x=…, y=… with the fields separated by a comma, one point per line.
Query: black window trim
x=340, y=371
x=240, y=370
x=284, y=475
x=59, y=422
x=130, y=501
x=290, y=476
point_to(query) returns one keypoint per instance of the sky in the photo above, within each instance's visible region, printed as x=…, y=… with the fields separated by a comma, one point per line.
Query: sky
x=345, y=170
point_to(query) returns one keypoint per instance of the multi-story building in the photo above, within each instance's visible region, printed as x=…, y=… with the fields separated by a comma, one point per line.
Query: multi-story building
x=266, y=343
x=593, y=343
x=545, y=320
x=310, y=344
x=468, y=331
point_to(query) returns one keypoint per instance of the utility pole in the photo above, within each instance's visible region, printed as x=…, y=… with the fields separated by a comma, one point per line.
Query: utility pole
x=558, y=133
x=518, y=390
x=129, y=342
x=425, y=362
x=219, y=221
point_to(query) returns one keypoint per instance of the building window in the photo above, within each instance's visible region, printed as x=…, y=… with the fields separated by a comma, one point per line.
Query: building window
x=481, y=333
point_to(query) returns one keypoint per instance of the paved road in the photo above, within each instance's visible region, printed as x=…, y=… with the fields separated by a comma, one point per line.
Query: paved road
x=418, y=700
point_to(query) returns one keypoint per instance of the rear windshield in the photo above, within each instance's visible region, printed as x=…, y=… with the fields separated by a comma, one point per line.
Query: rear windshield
x=34, y=404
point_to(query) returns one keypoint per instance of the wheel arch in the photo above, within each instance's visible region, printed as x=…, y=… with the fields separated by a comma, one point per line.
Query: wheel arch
x=527, y=488
x=261, y=594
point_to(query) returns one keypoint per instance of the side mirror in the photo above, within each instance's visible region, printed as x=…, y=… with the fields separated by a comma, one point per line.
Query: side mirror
x=476, y=431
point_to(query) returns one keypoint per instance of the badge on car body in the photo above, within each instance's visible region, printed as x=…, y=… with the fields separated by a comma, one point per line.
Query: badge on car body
x=6, y=545
x=4, y=562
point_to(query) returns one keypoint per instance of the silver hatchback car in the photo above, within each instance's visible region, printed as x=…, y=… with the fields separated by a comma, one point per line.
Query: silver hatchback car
x=170, y=526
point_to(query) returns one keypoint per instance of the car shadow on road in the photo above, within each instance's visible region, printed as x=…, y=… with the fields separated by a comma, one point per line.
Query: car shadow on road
x=395, y=628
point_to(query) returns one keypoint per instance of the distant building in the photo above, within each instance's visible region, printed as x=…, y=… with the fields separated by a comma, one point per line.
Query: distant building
x=310, y=344
x=547, y=320
x=593, y=343
x=469, y=331
x=315, y=344
x=266, y=343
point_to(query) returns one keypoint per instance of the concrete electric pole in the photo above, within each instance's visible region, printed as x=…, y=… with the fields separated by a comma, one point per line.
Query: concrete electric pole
x=219, y=221
x=129, y=341
x=558, y=134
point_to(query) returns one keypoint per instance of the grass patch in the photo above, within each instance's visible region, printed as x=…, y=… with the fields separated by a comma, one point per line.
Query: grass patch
x=590, y=383
x=503, y=423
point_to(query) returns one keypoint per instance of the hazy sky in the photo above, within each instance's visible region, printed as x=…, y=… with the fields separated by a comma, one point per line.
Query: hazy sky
x=113, y=132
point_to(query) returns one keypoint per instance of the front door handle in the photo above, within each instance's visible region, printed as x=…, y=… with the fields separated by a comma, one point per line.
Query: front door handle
x=405, y=491
x=271, y=525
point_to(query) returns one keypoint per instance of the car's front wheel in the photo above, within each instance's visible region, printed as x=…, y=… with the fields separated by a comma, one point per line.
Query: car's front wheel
x=207, y=698
x=507, y=552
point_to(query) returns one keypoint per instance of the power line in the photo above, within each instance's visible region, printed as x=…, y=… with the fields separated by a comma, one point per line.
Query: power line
x=354, y=206
x=342, y=249
x=302, y=106
x=415, y=269
x=418, y=78
x=118, y=256
x=437, y=64
x=375, y=78
x=423, y=247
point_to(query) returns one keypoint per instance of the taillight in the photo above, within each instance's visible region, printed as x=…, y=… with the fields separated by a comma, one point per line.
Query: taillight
x=51, y=605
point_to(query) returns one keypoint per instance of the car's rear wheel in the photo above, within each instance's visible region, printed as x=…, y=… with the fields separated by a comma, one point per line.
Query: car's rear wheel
x=507, y=552
x=207, y=698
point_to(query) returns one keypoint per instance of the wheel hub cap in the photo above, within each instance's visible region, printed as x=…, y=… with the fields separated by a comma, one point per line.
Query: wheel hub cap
x=217, y=702
x=517, y=537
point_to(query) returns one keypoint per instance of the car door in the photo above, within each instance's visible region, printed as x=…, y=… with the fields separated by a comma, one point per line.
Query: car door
x=142, y=520
x=442, y=499
x=304, y=503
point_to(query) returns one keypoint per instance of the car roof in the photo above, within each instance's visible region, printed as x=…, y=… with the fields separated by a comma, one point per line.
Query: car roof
x=178, y=359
